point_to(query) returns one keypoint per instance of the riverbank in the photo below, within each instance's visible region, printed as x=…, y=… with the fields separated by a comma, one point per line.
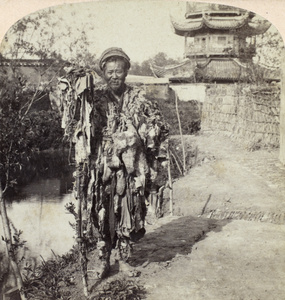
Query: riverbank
x=226, y=240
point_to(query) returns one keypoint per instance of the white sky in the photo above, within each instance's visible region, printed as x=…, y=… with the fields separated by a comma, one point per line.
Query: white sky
x=141, y=28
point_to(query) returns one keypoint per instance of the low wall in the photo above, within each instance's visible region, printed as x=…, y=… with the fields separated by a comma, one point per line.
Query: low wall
x=190, y=91
x=155, y=88
x=246, y=113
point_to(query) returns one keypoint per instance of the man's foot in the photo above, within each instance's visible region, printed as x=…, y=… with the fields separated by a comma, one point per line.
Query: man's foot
x=104, y=260
x=103, y=270
x=123, y=249
x=130, y=271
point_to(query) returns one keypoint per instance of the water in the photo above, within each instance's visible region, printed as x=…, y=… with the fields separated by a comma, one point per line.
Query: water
x=39, y=211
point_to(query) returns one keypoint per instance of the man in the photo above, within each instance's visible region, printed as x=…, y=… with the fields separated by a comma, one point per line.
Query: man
x=119, y=138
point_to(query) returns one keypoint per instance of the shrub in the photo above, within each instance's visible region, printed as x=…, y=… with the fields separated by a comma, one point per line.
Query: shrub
x=189, y=112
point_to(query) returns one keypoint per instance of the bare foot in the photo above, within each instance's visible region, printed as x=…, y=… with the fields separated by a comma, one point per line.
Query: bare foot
x=130, y=271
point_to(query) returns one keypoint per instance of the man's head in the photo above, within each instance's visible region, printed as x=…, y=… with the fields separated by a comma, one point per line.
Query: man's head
x=115, y=64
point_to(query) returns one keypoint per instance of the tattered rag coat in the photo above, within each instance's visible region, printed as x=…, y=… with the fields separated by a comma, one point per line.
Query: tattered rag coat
x=119, y=144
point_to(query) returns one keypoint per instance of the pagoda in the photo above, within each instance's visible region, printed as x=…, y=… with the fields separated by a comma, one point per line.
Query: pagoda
x=219, y=43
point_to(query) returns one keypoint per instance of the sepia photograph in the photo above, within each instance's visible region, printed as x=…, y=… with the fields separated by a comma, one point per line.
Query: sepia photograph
x=142, y=150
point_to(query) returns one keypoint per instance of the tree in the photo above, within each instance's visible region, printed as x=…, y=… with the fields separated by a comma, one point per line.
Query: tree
x=266, y=63
x=160, y=59
x=13, y=149
x=34, y=37
x=31, y=37
x=269, y=47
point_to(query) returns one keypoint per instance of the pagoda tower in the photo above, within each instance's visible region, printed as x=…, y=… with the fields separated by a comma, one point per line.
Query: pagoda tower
x=219, y=43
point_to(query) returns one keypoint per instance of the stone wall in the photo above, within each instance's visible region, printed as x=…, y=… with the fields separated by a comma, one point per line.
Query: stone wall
x=246, y=113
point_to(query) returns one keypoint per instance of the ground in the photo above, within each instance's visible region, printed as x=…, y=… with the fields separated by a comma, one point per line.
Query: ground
x=226, y=237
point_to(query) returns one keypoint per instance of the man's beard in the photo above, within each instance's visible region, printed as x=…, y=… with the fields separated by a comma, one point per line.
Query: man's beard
x=116, y=85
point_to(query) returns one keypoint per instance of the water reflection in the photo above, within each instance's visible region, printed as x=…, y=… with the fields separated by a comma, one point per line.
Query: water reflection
x=40, y=213
x=48, y=190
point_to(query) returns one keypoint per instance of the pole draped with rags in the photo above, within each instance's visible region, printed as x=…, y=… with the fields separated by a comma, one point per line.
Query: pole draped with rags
x=75, y=97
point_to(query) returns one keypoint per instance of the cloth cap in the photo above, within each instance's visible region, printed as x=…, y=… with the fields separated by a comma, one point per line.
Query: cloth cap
x=114, y=51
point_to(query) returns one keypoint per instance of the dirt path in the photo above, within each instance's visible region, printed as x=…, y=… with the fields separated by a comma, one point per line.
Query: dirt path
x=234, y=260
x=234, y=179
x=227, y=238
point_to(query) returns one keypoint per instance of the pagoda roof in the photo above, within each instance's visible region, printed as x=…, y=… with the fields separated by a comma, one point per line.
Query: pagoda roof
x=228, y=69
x=185, y=69
x=243, y=24
x=213, y=69
x=224, y=69
x=254, y=28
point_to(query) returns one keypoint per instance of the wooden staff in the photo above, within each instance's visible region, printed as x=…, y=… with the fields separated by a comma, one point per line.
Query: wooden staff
x=81, y=225
x=170, y=184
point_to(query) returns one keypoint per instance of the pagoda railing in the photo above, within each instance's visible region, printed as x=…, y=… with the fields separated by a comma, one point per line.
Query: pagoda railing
x=211, y=50
x=223, y=51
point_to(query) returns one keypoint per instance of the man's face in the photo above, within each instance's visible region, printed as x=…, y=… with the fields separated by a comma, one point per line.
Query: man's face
x=115, y=75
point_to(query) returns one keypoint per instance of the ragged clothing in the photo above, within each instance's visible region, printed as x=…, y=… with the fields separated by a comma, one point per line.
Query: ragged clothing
x=132, y=132
x=121, y=142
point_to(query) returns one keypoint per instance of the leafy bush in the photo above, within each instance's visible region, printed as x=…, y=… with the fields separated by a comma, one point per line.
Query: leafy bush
x=189, y=112
x=46, y=280
x=23, y=132
x=45, y=131
x=121, y=290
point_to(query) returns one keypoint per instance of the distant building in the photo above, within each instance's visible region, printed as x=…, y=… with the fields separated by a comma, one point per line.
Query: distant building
x=220, y=42
x=32, y=72
x=34, y=75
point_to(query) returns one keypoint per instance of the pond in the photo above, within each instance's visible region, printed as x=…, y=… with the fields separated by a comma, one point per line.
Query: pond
x=38, y=209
